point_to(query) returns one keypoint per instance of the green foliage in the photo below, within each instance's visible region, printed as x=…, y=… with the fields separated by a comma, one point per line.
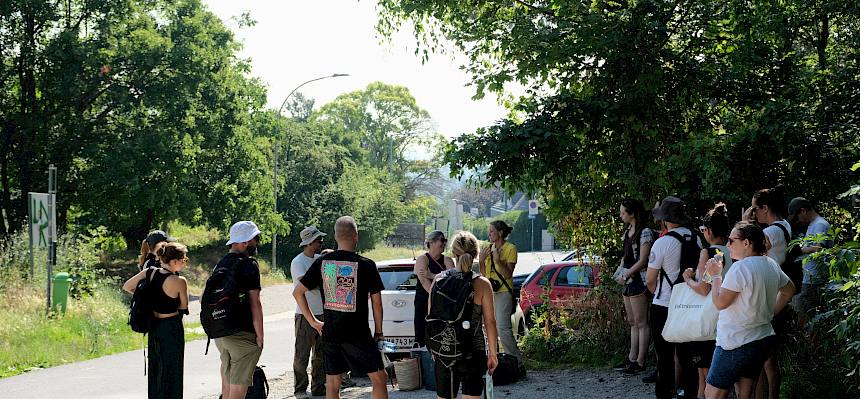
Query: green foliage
x=420, y=209
x=709, y=101
x=586, y=331
x=143, y=106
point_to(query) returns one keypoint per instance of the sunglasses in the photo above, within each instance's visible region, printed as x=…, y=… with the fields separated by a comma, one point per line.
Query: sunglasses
x=733, y=239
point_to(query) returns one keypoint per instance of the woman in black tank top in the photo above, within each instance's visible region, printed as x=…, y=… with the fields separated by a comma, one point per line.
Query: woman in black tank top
x=427, y=266
x=168, y=294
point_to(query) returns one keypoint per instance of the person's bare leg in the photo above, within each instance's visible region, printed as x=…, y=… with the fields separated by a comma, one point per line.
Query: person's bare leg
x=380, y=390
x=236, y=392
x=712, y=392
x=225, y=388
x=760, y=389
x=332, y=386
x=634, y=331
x=771, y=368
x=745, y=388
x=639, y=305
x=703, y=375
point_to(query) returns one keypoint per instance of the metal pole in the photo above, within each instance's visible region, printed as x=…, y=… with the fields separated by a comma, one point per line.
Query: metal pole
x=52, y=239
x=275, y=186
x=533, y=234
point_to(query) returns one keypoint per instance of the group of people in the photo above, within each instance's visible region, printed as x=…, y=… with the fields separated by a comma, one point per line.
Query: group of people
x=747, y=269
x=332, y=290
x=332, y=321
x=161, y=260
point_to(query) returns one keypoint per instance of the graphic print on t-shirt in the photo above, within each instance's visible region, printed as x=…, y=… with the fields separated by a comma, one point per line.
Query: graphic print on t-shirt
x=340, y=282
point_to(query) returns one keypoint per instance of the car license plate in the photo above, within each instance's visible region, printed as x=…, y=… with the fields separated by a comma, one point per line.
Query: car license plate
x=402, y=342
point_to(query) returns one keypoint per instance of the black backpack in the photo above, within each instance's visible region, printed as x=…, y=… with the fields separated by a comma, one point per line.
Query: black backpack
x=140, y=309
x=507, y=370
x=451, y=302
x=792, y=266
x=222, y=308
x=260, y=389
x=690, y=251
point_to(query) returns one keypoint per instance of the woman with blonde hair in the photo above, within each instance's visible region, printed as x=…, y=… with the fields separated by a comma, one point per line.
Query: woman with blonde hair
x=470, y=372
x=168, y=295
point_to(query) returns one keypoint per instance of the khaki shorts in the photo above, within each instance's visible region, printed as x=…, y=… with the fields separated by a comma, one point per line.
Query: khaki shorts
x=239, y=356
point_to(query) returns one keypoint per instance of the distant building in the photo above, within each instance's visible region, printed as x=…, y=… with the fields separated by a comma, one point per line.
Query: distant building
x=517, y=202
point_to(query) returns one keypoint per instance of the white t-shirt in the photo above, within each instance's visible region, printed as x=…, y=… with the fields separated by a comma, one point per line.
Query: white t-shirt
x=298, y=267
x=757, y=280
x=777, y=241
x=666, y=255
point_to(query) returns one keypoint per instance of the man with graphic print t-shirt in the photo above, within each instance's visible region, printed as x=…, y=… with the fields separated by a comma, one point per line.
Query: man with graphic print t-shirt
x=346, y=281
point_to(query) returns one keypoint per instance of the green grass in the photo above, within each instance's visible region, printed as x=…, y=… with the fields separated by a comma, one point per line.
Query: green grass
x=382, y=252
x=92, y=327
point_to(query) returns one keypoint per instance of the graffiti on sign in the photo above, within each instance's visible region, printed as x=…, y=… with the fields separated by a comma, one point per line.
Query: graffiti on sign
x=40, y=219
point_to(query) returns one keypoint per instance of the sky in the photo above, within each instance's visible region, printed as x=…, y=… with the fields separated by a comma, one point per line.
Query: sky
x=297, y=40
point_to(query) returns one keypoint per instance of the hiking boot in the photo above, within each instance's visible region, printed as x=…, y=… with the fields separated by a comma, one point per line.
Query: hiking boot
x=623, y=365
x=633, y=368
x=650, y=378
x=347, y=383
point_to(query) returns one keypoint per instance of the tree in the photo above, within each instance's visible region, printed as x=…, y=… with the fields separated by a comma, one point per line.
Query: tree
x=382, y=121
x=706, y=100
x=143, y=106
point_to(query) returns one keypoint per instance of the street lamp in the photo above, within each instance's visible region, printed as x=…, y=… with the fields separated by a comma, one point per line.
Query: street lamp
x=275, y=157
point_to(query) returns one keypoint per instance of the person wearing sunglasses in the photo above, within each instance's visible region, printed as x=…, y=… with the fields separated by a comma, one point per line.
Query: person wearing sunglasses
x=769, y=208
x=755, y=288
x=168, y=295
x=715, y=228
x=426, y=268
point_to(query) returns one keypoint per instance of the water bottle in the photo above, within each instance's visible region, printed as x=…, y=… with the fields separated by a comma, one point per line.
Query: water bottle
x=386, y=346
x=706, y=277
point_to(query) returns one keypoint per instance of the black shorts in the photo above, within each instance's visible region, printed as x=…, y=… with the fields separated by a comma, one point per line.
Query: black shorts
x=362, y=357
x=468, y=373
x=702, y=353
x=635, y=287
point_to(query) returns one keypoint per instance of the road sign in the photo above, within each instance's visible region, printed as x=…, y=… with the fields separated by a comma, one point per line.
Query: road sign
x=41, y=226
x=533, y=208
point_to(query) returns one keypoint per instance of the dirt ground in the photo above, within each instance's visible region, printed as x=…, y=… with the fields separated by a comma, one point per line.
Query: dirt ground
x=543, y=384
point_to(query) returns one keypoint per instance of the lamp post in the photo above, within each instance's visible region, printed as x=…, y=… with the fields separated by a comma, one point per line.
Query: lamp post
x=275, y=158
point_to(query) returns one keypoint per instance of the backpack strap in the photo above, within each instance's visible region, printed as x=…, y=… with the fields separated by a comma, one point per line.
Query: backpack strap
x=504, y=281
x=663, y=275
x=784, y=232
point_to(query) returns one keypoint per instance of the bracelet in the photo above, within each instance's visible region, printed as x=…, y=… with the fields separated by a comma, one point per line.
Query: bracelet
x=717, y=277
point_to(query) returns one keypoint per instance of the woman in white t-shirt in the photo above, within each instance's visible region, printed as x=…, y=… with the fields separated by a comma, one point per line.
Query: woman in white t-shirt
x=715, y=227
x=754, y=289
x=768, y=208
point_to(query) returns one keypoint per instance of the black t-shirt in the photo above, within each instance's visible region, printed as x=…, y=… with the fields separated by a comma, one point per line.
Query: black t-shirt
x=247, y=279
x=346, y=281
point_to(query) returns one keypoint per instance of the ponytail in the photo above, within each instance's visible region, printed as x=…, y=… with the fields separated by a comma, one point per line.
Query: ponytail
x=144, y=253
x=464, y=262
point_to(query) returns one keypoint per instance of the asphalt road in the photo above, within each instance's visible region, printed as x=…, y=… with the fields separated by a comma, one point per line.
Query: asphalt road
x=121, y=375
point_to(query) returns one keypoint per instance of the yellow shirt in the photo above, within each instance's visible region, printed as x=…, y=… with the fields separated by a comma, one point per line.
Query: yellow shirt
x=508, y=254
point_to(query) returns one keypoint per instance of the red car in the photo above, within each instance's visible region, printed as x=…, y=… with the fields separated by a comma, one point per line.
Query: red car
x=561, y=281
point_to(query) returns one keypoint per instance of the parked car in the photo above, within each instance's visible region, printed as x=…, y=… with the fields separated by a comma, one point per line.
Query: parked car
x=560, y=281
x=398, y=304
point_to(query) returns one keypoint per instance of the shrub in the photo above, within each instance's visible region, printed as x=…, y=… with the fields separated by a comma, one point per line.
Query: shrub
x=585, y=331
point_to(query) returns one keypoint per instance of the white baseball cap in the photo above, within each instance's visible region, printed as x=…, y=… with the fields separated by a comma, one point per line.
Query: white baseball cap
x=243, y=231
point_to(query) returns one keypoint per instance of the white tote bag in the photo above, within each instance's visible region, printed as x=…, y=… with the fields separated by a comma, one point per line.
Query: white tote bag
x=692, y=317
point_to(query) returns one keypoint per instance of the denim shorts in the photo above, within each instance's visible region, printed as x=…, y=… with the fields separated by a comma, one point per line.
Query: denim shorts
x=746, y=361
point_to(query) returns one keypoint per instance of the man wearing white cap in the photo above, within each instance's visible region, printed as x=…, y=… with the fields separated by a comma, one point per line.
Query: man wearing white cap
x=241, y=351
x=306, y=337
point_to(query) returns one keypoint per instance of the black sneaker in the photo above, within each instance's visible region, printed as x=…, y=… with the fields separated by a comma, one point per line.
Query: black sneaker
x=650, y=378
x=623, y=365
x=633, y=368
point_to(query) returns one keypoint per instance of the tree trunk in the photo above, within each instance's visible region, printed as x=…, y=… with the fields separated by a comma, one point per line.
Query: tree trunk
x=821, y=48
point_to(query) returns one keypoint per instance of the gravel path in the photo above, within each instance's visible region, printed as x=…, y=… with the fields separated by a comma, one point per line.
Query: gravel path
x=544, y=384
